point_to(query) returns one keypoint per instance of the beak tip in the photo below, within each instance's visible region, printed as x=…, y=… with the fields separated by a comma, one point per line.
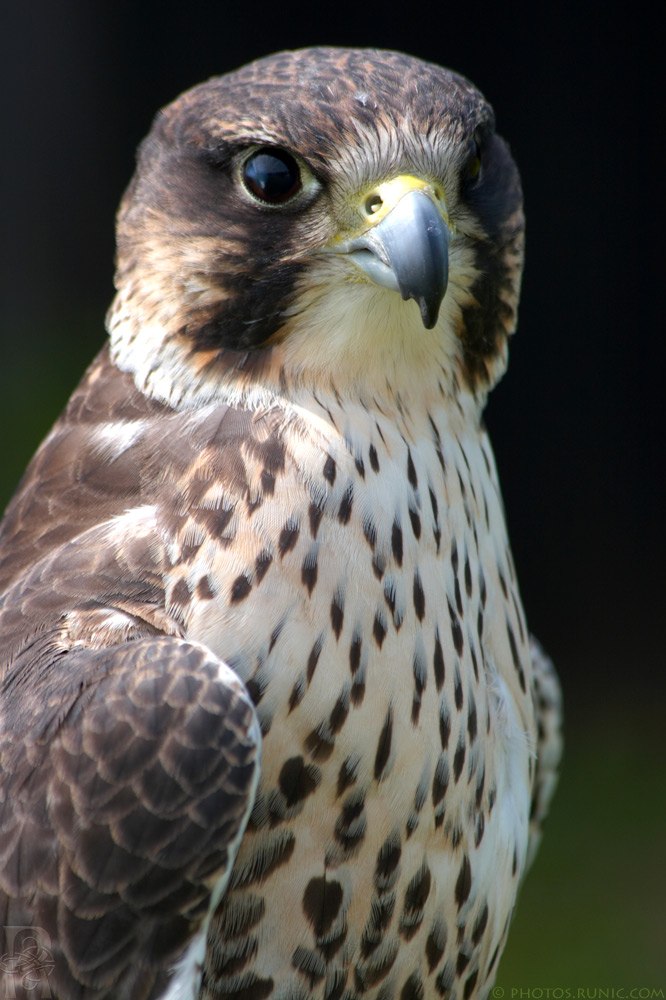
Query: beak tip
x=429, y=313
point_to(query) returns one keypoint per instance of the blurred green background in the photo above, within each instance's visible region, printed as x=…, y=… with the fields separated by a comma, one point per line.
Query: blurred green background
x=578, y=423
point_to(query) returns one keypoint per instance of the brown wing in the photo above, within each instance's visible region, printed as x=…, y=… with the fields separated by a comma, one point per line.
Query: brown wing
x=127, y=774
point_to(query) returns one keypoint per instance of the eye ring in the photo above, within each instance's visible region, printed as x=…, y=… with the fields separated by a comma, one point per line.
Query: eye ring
x=271, y=176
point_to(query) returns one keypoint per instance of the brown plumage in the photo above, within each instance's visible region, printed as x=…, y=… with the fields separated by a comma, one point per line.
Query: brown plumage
x=258, y=572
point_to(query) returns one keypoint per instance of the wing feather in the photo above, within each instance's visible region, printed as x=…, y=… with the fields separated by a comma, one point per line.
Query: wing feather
x=123, y=803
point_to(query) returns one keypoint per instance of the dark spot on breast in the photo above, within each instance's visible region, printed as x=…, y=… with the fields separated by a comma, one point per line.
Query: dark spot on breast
x=313, y=658
x=416, y=523
x=381, y=915
x=459, y=759
x=479, y=829
x=261, y=564
x=368, y=975
x=240, y=588
x=435, y=944
x=438, y=663
x=249, y=986
x=433, y=504
x=189, y=550
x=459, y=603
x=204, y=591
x=256, y=689
x=416, y=895
x=462, y=961
x=337, y=613
x=267, y=482
x=345, y=509
x=310, y=963
x=468, y=577
x=444, y=725
x=463, y=882
x=357, y=692
x=374, y=460
x=454, y=556
x=370, y=531
x=241, y=915
x=514, y=655
x=347, y=774
x=379, y=629
x=456, y=630
x=418, y=889
x=457, y=687
x=180, y=594
x=420, y=678
x=335, y=984
x=309, y=571
x=275, y=635
x=445, y=980
x=461, y=483
x=475, y=666
x=411, y=471
x=322, y=900
x=288, y=538
x=419, y=597
x=339, y=713
x=297, y=692
x=275, y=852
x=471, y=722
x=315, y=514
x=470, y=983
x=396, y=542
x=389, y=593
x=351, y=824
x=355, y=654
x=480, y=925
x=440, y=781
x=378, y=565
x=215, y=520
x=298, y=780
x=388, y=860
x=384, y=745
x=319, y=742
x=412, y=989
x=253, y=505
x=479, y=788
x=329, y=469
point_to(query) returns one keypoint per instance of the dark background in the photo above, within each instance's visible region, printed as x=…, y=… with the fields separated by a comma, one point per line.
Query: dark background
x=577, y=424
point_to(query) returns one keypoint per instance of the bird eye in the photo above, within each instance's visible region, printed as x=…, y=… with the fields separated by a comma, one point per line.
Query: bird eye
x=271, y=175
x=472, y=167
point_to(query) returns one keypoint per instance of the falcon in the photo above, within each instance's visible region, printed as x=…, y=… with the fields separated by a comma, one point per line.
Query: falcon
x=272, y=724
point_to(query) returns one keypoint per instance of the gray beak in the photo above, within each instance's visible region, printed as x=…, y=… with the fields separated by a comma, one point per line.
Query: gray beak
x=408, y=251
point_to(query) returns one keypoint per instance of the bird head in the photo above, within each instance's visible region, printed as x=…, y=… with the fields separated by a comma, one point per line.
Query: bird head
x=338, y=218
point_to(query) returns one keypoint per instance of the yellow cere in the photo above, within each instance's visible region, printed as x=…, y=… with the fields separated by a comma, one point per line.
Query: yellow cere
x=382, y=199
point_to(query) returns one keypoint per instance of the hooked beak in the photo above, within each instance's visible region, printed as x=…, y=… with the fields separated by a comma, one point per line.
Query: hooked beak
x=405, y=243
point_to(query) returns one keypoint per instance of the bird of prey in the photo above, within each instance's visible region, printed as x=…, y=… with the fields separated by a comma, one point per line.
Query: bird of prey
x=272, y=723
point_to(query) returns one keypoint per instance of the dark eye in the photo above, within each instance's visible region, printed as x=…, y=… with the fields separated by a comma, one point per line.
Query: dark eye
x=272, y=176
x=472, y=167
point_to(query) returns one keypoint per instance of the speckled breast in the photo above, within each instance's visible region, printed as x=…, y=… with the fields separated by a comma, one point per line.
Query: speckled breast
x=379, y=631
